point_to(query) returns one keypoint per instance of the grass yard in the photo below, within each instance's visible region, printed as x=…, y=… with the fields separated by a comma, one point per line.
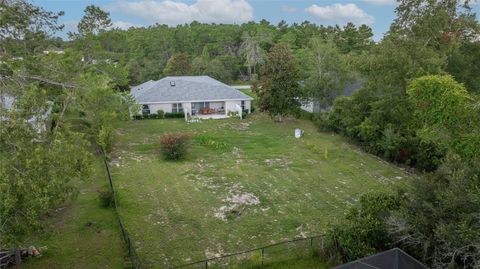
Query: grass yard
x=82, y=234
x=244, y=184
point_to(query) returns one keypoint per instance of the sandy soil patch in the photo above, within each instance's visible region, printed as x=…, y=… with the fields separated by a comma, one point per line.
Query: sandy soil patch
x=235, y=202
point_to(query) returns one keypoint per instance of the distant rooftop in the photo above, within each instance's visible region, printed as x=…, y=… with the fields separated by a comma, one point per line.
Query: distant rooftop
x=185, y=88
x=391, y=259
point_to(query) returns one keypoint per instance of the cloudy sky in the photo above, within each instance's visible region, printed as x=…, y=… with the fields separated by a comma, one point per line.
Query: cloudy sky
x=378, y=14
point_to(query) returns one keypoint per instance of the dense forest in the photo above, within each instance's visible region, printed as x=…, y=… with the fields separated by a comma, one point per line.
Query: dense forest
x=224, y=51
x=418, y=106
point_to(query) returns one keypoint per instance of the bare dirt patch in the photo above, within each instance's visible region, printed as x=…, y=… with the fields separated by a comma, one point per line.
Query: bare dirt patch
x=121, y=157
x=236, y=202
x=241, y=126
x=281, y=162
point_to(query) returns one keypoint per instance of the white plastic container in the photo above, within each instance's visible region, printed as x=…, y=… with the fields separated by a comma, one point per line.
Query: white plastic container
x=298, y=133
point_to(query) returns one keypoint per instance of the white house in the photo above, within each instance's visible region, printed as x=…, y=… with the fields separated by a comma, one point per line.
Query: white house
x=193, y=95
x=314, y=106
x=39, y=122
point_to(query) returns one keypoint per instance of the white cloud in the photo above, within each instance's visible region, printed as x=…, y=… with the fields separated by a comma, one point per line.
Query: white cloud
x=175, y=12
x=289, y=9
x=380, y=2
x=124, y=25
x=339, y=14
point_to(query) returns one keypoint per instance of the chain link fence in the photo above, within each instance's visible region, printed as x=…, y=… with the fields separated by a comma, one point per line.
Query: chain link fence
x=132, y=254
x=279, y=252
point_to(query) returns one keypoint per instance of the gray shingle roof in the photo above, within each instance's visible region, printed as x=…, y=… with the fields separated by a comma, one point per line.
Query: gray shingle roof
x=186, y=88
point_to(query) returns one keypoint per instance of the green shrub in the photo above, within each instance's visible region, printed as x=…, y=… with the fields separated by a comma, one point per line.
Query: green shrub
x=210, y=142
x=174, y=146
x=106, y=198
x=233, y=114
x=173, y=115
x=364, y=232
x=160, y=114
x=320, y=120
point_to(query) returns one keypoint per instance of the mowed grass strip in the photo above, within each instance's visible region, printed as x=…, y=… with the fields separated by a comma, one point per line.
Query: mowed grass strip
x=82, y=234
x=244, y=184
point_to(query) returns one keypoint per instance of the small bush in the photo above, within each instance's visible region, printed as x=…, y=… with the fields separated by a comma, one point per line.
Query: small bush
x=364, y=230
x=174, y=115
x=160, y=114
x=174, y=146
x=233, y=114
x=106, y=198
x=210, y=142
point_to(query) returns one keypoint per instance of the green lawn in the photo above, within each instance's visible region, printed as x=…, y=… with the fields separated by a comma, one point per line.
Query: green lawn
x=244, y=184
x=81, y=234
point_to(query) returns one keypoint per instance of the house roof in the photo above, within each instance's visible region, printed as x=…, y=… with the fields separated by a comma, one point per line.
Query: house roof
x=185, y=88
x=391, y=259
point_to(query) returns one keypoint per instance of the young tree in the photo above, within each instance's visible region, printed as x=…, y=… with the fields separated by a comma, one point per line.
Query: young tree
x=38, y=171
x=178, y=65
x=278, y=89
x=326, y=71
x=252, y=49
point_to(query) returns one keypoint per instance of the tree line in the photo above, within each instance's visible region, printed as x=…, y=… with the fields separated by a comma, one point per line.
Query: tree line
x=227, y=52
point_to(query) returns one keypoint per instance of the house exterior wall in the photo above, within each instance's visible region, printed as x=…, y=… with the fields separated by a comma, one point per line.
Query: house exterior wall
x=307, y=106
x=187, y=106
x=230, y=105
x=167, y=108
x=248, y=105
x=217, y=105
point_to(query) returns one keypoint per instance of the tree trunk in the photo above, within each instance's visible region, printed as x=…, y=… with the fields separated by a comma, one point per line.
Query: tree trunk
x=18, y=257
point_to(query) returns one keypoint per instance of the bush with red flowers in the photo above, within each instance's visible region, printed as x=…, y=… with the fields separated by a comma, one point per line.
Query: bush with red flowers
x=174, y=146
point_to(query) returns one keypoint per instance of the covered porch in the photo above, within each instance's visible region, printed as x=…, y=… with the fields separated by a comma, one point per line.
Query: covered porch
x=209, y=109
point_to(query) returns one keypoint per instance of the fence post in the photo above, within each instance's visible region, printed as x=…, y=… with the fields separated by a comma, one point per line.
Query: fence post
x=263, y=252
x=206, y=264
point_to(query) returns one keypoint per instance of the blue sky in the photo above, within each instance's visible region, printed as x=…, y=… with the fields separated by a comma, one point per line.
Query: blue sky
x=378, y=14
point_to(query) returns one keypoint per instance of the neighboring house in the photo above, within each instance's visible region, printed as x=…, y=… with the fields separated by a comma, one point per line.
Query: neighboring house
x=7, y=103
x=315, y=106
x=192, y=95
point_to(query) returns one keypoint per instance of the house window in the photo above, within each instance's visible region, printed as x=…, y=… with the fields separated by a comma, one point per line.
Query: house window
x=243, y=105
x=177, y=107
x=145, y=110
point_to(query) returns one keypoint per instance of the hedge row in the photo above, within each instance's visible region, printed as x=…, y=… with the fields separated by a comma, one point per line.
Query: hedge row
x=160, y=115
